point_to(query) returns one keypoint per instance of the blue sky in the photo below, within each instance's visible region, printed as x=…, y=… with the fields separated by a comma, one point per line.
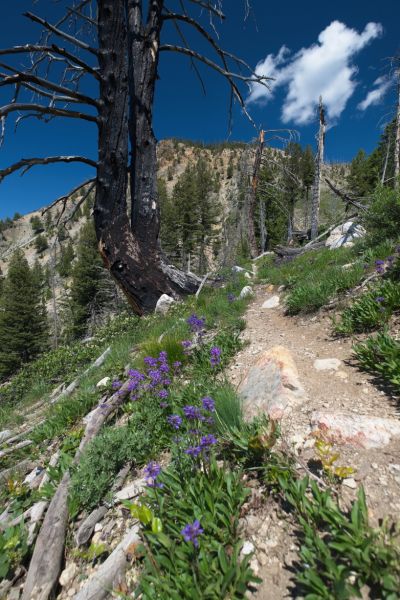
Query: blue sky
x=338, y=48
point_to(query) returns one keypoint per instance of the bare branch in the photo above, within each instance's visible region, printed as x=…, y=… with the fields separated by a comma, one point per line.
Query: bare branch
x=45, y=110
x=61, y=33
x=21, y=77
x=78, y=205
x=345, y=196
x=64, y=199
x=209, y=8
x=28, y=163
x=37, y=48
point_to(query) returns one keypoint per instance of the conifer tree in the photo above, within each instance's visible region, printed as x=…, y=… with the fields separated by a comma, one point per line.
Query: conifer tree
x=86, y=278
x=23, y=322
x=64, y=266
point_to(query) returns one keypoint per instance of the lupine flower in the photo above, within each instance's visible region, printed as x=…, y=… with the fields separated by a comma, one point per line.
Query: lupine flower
x=208, y=440
x=186, y=345
x=132, y=385
x=215, y=356
x=155, y=376
x=151, y=473
x=209, y=420
x=390, y=259
x=163, y=394
x=380, y=299
x=177, y=365
x=192, y=412
x=116, y=384
x=134, y=374
x=193, y=450
x=191, y=532
x=163, y=368
x=166, y=381
x=231, y=297
x=133, y=397
x=163, y=356
x=208, y=404
x=175, y=421
x=164, y=404
x=379, y=262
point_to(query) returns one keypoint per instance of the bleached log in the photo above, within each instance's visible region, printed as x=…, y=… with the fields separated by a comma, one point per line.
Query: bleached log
x=87, y=526
x=46, y=562
x=52, y=463
x=22, y=444
x=110, y=572
x=20, y=468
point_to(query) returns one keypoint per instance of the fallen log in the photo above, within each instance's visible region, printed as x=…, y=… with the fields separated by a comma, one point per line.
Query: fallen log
x=20, y=469
x=285, y=251
x=87, y=526
x=109, y=574
x=46, y=562
x=16, y=447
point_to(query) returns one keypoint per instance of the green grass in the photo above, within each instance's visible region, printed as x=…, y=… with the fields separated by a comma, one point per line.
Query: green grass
x=380, y=355
x=316, y=277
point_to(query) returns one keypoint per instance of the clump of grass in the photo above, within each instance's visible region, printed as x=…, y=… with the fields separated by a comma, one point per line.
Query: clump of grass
x=380, y=354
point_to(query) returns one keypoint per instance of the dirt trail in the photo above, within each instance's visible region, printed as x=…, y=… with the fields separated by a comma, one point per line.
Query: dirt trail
x=346, y=390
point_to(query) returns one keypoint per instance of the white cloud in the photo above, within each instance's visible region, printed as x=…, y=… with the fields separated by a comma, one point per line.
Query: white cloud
x=375, y=96
x=325, y=68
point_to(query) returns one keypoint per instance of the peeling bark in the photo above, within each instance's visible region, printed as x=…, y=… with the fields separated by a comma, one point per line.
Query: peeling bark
x=319, y=159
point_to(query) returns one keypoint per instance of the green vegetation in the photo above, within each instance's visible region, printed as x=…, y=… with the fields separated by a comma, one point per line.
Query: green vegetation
x=67, y=255
x=380, y=354
x=37, y=224
x=41, y=243
x=23, y=323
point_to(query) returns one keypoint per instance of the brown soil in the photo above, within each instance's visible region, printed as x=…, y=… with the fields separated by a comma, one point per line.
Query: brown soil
x=347, y=390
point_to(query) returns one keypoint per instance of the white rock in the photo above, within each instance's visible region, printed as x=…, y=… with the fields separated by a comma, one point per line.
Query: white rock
x=248, y=548
x=327, y=364
x=272, y=302
x=357, y=430
x=247, y=275
x=246, y=292
x=103, y=382
x=32, y=475
x=98, y=527
x=130, y=491
x=237, y=269
x=344, y=235
x=350, y=482
x=68, y=574
x=164, y=303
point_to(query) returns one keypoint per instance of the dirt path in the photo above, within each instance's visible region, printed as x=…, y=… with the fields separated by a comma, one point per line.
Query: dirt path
x=345, y=390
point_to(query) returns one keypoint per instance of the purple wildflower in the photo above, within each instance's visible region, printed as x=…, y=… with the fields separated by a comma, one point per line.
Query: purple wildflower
x=175, y=421
x=163, y=368
x=231, y=297
x=191, y=532
x=208, y=404
x=177, y=365
x=164, y=404
x=195, y=323
x=166, y=381
x=150, y=361
x=116, y=384
x=163, y=356
x=186, y=345
x=134, y=374
x=155, y=376
x=163, y=394
x=208, y=440
x=379, y=262
x=192, y=412
x=380, y=299
x=151, y=473
x=215, y=356
x=193, y=451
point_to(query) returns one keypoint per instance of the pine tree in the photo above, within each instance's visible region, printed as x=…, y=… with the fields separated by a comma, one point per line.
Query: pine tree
x=23, y=322
x=361, y=179
x=37, y=225
x=292, y=182
x=86, y=281
x=41, y=243
x=208, y=211
x=169, y=229
x=64, y=266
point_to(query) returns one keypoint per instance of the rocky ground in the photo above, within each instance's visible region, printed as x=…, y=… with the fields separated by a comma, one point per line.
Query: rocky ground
x=296, y=371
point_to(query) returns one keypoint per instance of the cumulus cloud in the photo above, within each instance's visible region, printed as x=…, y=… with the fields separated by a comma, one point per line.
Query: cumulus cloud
x=375, y=96
x=325, y=68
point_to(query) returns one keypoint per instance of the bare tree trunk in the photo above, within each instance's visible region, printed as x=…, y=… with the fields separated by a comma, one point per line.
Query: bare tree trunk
x=389, y=143
x=397, y=138
x=251, y=198
x=316, y=197
x=263, y=230
x=131, y=250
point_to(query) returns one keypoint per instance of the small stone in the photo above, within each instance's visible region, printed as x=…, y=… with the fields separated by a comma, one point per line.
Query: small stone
x=341, y=375
x=350, y=482
x=97, y=538
x=254, y=566
x=395, y=469
x=272, y=302
x=130, y=491
x=246, y=292
x=247, y=275
x=327, y=364
x=164, y=303
x=68, y=574
x=98, y=527
x=103, y=382
x=248, y=548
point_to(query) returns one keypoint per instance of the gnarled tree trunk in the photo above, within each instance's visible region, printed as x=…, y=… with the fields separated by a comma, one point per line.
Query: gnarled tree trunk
x=319, y=159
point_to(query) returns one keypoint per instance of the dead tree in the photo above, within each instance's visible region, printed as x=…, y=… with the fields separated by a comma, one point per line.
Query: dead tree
x=251, y=197
x=319, y=159
x=117, y=43
x=397, y=135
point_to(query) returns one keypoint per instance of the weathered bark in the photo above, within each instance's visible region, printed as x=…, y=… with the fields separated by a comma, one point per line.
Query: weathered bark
x=251, y=198
x=318, y=173
x=397, y=138
x=46, y=562
x=130, y=248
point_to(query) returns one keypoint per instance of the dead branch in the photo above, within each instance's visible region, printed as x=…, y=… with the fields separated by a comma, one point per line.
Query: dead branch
x=345, y=197
x=45, y=110
x=28, y=163
x=60, y=33
x=209, y=7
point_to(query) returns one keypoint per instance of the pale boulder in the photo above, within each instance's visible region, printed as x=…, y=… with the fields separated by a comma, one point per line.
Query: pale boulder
x=164, y=303
x=344, y=235
x=246, y=292
x=103, y=382
x=272, y=302
x=356, y=430
x=327, y=364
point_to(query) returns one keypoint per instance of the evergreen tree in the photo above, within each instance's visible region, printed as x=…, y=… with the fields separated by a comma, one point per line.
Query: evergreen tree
x=292, y=179
x=64, y=266
x=208, y=210
x=23, y=322
x=37, y=225
x=275, y=209
x=41, y=243
x=86, y=281
x=362, y=178
x=168, y=230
